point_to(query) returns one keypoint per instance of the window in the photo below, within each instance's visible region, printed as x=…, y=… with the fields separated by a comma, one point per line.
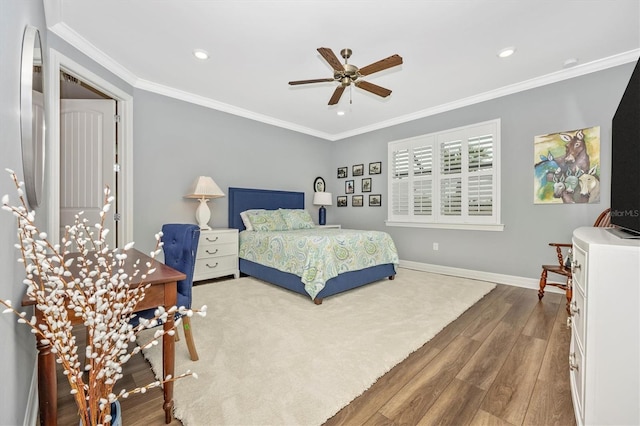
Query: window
x=448, y=179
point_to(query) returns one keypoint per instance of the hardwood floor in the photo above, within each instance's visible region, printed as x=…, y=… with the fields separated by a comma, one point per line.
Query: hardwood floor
x=503, y=362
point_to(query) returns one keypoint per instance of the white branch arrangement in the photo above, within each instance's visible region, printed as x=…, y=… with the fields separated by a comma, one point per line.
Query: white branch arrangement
x=99, y=294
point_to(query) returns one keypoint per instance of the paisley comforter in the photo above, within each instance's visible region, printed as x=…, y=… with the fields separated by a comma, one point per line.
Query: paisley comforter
x=317, y=255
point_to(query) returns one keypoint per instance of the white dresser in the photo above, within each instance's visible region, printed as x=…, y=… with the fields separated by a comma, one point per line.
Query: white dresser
x=217, y=254
x=604, y=358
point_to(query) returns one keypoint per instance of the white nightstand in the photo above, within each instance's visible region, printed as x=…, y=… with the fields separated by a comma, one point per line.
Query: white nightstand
x=329, y=226
x=217, y=254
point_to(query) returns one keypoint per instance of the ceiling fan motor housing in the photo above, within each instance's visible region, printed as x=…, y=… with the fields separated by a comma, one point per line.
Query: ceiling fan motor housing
x=348, y=75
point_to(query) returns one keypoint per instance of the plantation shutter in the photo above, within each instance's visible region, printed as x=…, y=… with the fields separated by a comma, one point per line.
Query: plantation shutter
x=449, y=178
x=480, y=182
x=423, y=180
x=400, y=182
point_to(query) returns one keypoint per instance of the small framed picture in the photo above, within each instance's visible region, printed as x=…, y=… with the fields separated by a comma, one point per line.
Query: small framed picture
x=356, y=200
x=342, y=201
x=318, y=185
x=358, y=170
x=375, y=200
x=375, y=168
x=366, y=185
x=343, y=172
x=348, y=187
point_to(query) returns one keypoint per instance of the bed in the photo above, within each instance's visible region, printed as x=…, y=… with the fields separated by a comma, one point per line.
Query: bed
x=243, y=199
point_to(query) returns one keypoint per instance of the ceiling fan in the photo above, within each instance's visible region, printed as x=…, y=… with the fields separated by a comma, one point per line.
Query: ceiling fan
x=348, y=73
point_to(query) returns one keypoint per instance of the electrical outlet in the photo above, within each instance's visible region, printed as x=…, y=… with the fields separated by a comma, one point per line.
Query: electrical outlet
x=435, y=246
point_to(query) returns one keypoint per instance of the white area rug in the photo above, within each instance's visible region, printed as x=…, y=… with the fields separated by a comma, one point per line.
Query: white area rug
x=269, y=356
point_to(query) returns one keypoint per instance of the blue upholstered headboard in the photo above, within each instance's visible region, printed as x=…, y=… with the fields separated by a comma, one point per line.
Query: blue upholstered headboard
x=241, y=199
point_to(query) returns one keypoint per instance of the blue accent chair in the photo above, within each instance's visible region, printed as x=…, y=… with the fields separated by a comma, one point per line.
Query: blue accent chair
x=180, y=248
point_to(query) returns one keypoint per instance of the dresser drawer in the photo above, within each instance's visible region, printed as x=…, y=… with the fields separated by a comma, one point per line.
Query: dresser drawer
x=579, y=268
x=578, y=315
x=576, y=377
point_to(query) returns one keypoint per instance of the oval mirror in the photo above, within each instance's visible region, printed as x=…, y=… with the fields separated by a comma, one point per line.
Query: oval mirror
x=32, y=124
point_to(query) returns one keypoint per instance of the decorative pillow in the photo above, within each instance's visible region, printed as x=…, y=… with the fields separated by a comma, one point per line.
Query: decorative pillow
x=246, y=221
x=297, y=218
x=266, y=220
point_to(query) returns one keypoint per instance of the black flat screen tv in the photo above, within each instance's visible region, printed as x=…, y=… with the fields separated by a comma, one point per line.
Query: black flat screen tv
x=625, y=161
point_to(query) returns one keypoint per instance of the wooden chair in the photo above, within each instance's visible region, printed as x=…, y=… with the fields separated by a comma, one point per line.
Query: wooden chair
x=564, y=256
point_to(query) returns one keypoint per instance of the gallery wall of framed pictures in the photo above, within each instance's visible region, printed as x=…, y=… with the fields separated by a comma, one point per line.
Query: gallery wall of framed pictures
x=356, y=185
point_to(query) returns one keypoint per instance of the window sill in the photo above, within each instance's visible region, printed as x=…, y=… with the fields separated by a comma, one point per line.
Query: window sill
x=461, y=226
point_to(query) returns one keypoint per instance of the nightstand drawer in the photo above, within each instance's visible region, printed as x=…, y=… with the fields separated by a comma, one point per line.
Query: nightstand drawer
x=216, y=250
x=217, y=237
x=216, y=266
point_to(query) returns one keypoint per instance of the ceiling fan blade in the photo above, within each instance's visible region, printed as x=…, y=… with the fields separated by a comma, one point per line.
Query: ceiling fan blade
x=331, y=58
x=373, y=88
x=336, y=95
x=382, y=64
x=317, y=80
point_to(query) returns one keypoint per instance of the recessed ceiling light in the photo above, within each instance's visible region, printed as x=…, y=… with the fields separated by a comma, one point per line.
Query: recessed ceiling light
x=506, y=52
x=201, y=54
x=340, y=112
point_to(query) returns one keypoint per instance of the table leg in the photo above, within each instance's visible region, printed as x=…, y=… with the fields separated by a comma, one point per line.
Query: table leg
x=168, y=353
x=47, y=385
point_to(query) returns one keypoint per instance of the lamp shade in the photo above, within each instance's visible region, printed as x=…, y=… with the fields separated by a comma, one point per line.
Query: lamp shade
x=205, y=187
x=322, y=199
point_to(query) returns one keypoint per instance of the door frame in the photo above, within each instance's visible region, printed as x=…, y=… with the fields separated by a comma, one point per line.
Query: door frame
x=124, y=134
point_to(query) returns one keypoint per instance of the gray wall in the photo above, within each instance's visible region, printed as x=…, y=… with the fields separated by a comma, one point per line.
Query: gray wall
x=175, y=142
x=17, y=350
x=519, y=250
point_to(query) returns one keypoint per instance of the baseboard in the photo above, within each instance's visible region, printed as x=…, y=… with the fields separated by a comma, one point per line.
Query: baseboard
x=31, y=414
x=478, y=275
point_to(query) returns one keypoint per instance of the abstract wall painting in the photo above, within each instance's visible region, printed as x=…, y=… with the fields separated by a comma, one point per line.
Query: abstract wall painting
x=567, y=167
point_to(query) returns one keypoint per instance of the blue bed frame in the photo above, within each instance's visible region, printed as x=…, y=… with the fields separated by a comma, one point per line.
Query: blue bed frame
x=241, y=199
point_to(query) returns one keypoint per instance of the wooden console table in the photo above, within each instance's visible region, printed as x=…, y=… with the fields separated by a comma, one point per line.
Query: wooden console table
x=163, y=292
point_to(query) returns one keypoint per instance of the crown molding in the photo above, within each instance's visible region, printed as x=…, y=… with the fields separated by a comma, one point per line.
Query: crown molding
x=577, y=71
x=63, y=31
x=223, y=107
x=70, y=36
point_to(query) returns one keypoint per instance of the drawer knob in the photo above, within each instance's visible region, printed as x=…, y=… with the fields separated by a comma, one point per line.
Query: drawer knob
x=211, y=240
x=574, y=308
x=573, y=365
x=212, y=266
x=575, y=266
x=211, y=252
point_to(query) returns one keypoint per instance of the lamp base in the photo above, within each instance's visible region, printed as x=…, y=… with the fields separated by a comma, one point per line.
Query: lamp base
x=322, y=219
x=203, y=214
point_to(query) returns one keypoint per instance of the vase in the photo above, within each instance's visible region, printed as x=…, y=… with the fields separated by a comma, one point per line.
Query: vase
x=116, y=414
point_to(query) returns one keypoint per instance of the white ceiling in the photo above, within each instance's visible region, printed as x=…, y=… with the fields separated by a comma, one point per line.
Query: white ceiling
x=449, y=50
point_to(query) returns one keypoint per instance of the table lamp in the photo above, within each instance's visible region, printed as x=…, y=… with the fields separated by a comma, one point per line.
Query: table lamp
x=322, y=199
x=204, y=188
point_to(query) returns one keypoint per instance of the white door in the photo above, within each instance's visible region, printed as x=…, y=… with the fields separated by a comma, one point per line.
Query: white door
x=87, y=159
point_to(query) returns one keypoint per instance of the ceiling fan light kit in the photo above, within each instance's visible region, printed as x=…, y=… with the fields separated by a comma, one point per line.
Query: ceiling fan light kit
x=346, y=74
